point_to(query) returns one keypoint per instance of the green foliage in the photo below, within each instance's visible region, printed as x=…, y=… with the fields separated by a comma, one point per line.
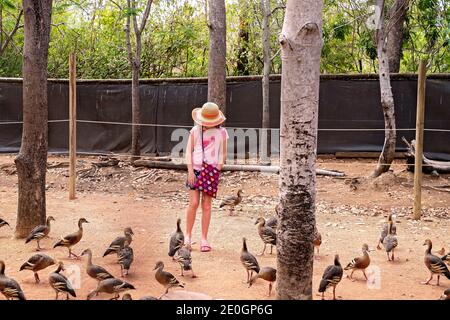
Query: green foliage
x=176, y=39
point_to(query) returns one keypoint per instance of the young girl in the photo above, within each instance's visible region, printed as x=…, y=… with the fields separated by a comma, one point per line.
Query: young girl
x=208, y=119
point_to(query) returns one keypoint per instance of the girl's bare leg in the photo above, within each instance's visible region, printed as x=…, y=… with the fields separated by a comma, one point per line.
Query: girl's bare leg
x=194, y=199
x=206, y=215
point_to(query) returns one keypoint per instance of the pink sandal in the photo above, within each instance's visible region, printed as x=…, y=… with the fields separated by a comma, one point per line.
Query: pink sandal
x=205, y=247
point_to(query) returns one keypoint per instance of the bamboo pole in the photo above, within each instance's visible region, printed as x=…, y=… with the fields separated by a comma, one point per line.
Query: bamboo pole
x=419, y=140
x=72, y=126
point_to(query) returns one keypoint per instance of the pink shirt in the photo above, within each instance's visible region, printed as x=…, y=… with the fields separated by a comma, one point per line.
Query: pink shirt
x=212, y=144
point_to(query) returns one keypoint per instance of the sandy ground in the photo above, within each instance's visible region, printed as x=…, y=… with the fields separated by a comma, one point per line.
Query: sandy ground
x=113, y=199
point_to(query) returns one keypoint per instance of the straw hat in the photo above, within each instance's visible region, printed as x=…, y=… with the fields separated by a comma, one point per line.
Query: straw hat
x=208, y=115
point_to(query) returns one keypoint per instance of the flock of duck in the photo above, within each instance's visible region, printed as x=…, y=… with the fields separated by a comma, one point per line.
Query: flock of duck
x=181, y=253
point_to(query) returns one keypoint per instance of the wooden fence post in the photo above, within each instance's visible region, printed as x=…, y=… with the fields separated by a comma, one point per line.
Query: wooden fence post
x=72, y=126
x=419, y=140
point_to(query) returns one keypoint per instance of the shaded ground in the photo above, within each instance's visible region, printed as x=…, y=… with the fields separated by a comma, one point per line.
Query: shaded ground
x=349, y=212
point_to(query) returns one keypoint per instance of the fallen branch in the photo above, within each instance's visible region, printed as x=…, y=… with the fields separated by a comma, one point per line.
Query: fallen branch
x=428, y=166
x=229, y=167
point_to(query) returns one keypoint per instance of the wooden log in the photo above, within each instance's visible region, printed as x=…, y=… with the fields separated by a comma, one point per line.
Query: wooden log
x=229, y=167
x=428, y=166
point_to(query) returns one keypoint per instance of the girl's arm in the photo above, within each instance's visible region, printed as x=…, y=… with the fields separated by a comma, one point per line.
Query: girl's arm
x=223, y=153
x=189, y=149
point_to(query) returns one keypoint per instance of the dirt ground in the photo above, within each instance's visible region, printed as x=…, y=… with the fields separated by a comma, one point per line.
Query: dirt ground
x=350, y=212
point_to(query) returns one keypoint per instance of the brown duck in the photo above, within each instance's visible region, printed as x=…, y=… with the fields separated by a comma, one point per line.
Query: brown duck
x=111, y=286
x=176, y=240
x=390, y=242
x=266, y=273
x=248, y=261
x=72, y=239
x=4, y=223
x=384, y=231
x=267, y=234
x=125, y=258
x=360, y=263
x=331, y=277
x=317, y=239
x=118, y=243
x=434, y=264
x=9, y=287
x=184, y=258
x=60, y=283
x=37, y=263
x=232, y=201
x=40, y=232
x=166, y=279
x=95, y=272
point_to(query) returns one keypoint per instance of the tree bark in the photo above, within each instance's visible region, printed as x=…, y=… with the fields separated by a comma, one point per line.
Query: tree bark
x=217, y=89
x=387, y=99
x=134, y=59
x=301, y=44
x=397, y=16
x=31, y=161
x=264, y=150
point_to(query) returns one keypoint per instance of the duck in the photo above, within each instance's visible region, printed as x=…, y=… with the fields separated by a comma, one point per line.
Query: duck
x=125, y=258
x=9, y=287
x=445, y=295
x=248, y=261
x=4, y=223
x=446, y=258
x=184, y=258
x=267, y=234
x=360, y=263
x=165, y=278
x=40, y=232
x=95, y=272
x=317, y=239
x=272, y=222
x=176, y=241
x=266, y=273
x=434, y=264
x=118, y=242
x=111, y=286
x=232, y=201
x=37, y=263
x=331, y=277
x=384, y=231
x=72, y=239
x=390, y=242
x=60, y=283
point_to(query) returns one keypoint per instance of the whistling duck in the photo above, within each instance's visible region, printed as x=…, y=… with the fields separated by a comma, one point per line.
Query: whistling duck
x=117, y=243
x=390, y=242
x=95, y=272
x=166, y=279
x=266, y=273
x=384, y=231
x=125, y=257
x=434, y=264
x=267, y=234
x=60, y=283
x=331, y=277
x=176, y=240
x=360, y=263
x=72, y=239
x=184, y=258
x=111, y=286
x=40, y=232
x=248, y=261
x=232, y=201
x=37, y=263
x=9, y=287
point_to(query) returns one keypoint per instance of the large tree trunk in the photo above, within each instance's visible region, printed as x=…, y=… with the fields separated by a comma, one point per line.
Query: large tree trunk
x=301, y=44
x=397, y=16
x=264, y=150
x=387, y=99
x=217, y=53
x=31, y=161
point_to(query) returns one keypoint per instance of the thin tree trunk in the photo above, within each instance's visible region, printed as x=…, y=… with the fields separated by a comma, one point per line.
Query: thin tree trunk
x=135, y=113
x=31, y=161
x=397, y=16
x=135, y=63
x=242, y=58
x=387, y=99
x=217, y=54
x=264, y=150
x=301, y=44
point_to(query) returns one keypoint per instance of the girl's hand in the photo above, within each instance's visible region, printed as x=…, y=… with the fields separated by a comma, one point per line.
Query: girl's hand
x=191, y=177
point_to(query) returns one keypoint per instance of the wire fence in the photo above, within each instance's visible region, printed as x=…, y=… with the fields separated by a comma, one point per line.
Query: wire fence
x=128, y=155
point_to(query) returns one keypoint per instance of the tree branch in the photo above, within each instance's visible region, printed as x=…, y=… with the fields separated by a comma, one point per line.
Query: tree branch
x=145, y=16
x=11, y=34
